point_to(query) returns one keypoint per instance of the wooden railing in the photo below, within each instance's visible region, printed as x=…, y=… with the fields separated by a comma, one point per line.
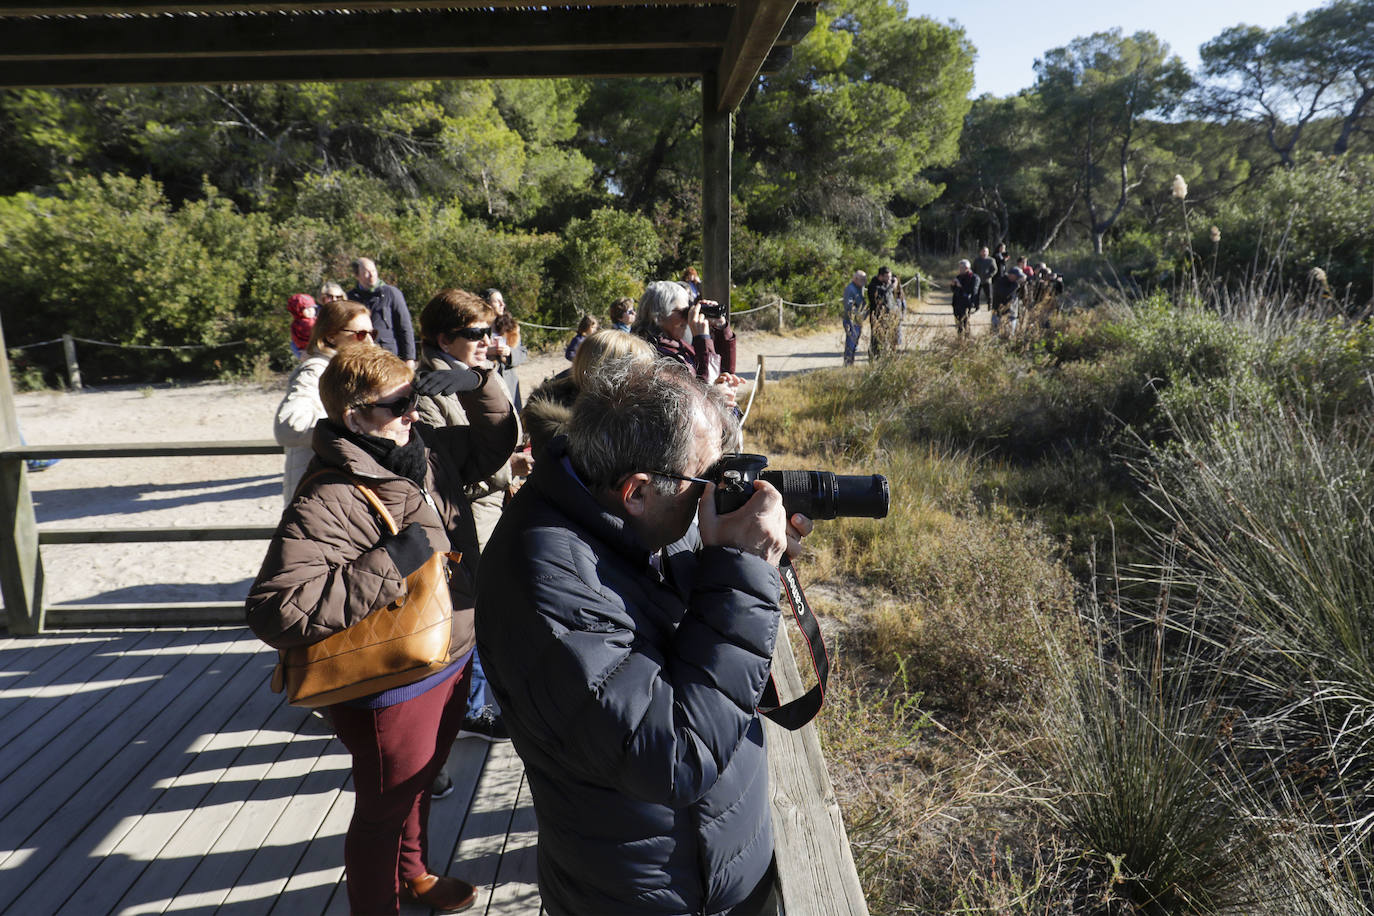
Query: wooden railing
x=21, y=560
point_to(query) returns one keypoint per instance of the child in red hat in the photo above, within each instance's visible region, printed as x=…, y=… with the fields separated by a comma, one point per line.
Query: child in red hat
x=303, y=307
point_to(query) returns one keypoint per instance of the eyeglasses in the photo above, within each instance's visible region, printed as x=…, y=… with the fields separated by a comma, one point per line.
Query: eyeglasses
x=360, y=334
x=473, y=334
x=399, y=407
x=693, y=480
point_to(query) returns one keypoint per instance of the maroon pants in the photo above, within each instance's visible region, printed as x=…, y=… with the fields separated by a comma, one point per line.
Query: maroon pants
x=397, y=751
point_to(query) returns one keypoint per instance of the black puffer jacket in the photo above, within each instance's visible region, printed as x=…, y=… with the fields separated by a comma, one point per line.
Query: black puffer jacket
x=630, y=697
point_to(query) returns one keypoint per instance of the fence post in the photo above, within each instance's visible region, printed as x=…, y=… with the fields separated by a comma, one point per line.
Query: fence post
x=780, y=313
x=21, y=566
x=73, y=370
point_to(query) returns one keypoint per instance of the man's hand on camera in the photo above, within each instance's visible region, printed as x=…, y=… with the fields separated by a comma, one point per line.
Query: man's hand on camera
x=758, y=527
x=798, y=527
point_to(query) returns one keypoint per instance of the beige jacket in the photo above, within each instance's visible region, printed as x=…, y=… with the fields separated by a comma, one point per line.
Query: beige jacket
x=324, y=570
x=488, y=497
x=297, y=415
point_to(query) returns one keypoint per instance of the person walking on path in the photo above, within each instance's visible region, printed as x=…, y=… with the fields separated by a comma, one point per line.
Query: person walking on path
x=1006, y=300
x=886, y=303
x=853, y=315
x=965, y=289
x=390, y=314
x=986, y=268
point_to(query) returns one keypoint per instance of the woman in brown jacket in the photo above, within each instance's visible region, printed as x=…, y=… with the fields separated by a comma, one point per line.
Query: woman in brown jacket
x=332, y=562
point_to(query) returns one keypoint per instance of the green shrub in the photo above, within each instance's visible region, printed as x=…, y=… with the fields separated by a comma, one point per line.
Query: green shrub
x=605, y=256
x=110, y=259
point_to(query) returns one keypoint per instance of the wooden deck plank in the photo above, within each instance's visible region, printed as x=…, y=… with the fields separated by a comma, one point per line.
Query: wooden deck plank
x=214, y=845
x=446, y=816
x=60, y=700
x=815, y=864
x=517, y=879
x=264, y=881
x=477, y=858
x=77, y=796
x=14, y=650
x=230, y=860
x=223, y=771
x=317, y=883
x=46, y=749
x=161, y=797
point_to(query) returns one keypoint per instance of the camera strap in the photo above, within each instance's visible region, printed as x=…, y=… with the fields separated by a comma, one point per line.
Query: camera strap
x=793, y=714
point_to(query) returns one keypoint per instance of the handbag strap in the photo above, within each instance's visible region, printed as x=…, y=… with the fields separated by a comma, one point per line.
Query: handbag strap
x=367, y=492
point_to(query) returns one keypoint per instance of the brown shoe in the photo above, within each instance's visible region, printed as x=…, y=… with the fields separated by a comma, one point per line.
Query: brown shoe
x=449, y=895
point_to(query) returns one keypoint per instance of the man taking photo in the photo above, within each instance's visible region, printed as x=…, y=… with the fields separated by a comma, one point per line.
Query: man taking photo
x=629, y=650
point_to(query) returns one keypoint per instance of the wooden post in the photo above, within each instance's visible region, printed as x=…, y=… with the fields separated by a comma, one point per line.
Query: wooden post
x=73, y=370
x=716, y=142
x=21, y=567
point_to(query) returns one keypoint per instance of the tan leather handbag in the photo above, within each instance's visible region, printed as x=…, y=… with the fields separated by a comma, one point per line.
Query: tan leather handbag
x=399, y=644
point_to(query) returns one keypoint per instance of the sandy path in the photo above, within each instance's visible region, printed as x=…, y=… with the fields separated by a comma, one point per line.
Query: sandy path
x=246, y=490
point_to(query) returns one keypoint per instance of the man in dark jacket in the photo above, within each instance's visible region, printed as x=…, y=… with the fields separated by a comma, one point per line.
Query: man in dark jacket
x=629, y=655
x=965, y=288
x=986, y=268
x=390, y=314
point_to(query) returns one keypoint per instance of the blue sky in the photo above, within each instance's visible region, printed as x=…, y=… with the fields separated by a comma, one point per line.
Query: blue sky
x=1009, y=36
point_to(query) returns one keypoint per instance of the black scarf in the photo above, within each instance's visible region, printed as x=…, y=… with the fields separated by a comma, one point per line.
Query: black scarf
x=410, y=460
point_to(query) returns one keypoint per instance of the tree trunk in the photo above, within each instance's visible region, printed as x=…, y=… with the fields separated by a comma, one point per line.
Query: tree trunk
x=1351, y=120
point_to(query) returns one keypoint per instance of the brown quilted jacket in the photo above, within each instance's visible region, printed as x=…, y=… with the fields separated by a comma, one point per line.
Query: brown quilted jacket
x=324, y=571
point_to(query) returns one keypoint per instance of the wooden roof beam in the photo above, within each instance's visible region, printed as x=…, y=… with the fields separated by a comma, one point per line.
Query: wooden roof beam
x=310, y=35
x=755, y=29
x=363, y=67
x=157, y=7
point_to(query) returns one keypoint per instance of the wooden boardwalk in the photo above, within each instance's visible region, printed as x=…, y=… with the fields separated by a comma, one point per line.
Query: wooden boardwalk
x=152, y=771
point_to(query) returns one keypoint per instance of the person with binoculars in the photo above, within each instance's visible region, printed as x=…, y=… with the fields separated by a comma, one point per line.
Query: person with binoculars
x=696, y=334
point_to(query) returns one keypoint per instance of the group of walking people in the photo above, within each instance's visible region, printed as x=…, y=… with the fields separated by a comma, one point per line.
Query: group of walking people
x=1006, y=288
x=435, y=432
x=882, y=301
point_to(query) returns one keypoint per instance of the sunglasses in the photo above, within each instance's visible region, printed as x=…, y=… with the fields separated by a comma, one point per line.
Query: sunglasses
x=473, y=334
x=398, y=407
x=360, y=336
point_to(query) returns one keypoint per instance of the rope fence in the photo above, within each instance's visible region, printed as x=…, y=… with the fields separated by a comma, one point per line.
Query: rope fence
x=69, y=343
x=74, y=371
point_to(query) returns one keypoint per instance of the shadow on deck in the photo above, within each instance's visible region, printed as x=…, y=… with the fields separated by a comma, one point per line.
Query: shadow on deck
x=151, y=770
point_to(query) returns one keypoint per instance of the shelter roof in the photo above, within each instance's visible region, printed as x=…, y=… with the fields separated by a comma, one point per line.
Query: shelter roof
x=153, y=42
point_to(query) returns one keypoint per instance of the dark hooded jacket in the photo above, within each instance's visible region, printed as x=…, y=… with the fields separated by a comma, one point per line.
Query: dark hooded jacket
x=630, y=697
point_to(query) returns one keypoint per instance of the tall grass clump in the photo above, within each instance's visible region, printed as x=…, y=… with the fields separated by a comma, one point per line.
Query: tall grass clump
x=1272, y=512
x=952, y=587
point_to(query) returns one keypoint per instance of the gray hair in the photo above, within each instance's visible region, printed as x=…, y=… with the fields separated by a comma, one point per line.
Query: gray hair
x=661, y=298
x=964, y=263
x=636, y=415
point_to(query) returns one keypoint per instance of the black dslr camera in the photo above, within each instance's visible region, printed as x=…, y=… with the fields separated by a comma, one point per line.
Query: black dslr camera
x=815, y=494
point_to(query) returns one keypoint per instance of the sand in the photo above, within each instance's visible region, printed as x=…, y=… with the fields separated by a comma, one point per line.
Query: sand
x=229, y=490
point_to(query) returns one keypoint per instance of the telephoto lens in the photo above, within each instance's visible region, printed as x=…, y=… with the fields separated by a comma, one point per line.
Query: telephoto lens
x=815, y=494
x=821, y=494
